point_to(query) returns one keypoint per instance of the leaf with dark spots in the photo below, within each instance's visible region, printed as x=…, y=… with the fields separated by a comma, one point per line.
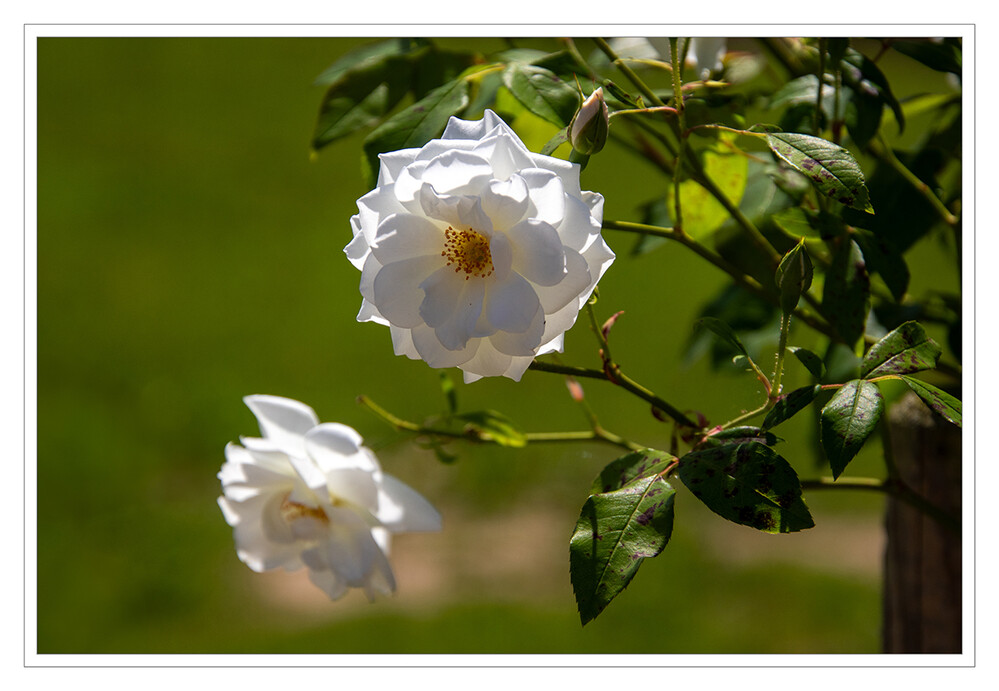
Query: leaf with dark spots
x=745, y=483
x=831, y=168
x=847, y=420
x=938, y=400
x=905, y=350
x=620, y=528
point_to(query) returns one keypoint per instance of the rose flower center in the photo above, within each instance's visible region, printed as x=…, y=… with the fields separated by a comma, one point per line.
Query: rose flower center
x=468, y=251
x=291, y=511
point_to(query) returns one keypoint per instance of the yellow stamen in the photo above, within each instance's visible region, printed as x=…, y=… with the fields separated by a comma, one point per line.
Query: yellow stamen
x=292, y=510
x=468, y=251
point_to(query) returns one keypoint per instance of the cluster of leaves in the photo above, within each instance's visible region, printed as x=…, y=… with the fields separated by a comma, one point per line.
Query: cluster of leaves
x=843, y=236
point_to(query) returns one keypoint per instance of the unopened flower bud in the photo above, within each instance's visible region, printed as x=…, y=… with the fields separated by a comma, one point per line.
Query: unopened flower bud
x=588, y=129
x=794, y=276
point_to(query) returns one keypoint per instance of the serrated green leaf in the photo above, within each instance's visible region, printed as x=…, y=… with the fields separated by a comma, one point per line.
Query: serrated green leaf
x=542, y=92
x=846, y=292
x=811, y=361
x=419, y=123
x=619, y=528
x=905, y=350
x=847, y=420
x=790, y=404
x=831, y=168
x=937, y=399
x=749, y=484
x=495, y=427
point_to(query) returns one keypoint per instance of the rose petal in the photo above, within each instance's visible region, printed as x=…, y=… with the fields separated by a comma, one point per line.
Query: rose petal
x=282, y=421
x=575, y=281
x=433, y=352
x=396, y=289
x=329, y=583
x=522, y=343
x=455, y=333
x=505, y=201
x=401, y=508
x=547, y=195
x=457, y=172
x=537, y=252
x=511, y=304
x=459, y=212
x=403, y=236
x=331, y=443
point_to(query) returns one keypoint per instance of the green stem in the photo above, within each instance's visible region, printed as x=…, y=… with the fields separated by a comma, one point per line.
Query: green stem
x=682, y=124
x=627, y=71
x=595, y=434
x=818, y=98
x=895, y=488
x=785, y=328
x=743, y=280
x=618, y=377
x=880, y=148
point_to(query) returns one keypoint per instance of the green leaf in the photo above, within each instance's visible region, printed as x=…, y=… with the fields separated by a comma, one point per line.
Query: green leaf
x=361, y=97
x=740, y=435
x=942, y=57
x=417, y=124
x=622, y=95
x=495, y=427
x=798, y=222
x=366, y=56
x=906, y=349
x=627, y=518
x=749, y=484
x=937, y=399
x=723, y=331
x=831, y=168
x=881, y=257
x=847, y=420
x=728, y=168
x=542, y=92
x=560, y=138
x=846, y=293
x=790, y=404
x=811, y=361
x=869, y=78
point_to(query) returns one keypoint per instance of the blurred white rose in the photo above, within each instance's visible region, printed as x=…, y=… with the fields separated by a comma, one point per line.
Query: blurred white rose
x=475, y=252
x=310, y=494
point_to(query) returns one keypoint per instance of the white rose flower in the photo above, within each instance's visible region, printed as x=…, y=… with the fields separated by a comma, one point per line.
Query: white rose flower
x=310, y=493
x=475, y=252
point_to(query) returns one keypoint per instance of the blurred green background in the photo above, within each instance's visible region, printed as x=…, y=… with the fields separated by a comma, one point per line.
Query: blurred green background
x=190, y=253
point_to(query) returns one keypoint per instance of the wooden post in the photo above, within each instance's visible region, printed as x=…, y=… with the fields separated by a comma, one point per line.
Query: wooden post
x=922, y=586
